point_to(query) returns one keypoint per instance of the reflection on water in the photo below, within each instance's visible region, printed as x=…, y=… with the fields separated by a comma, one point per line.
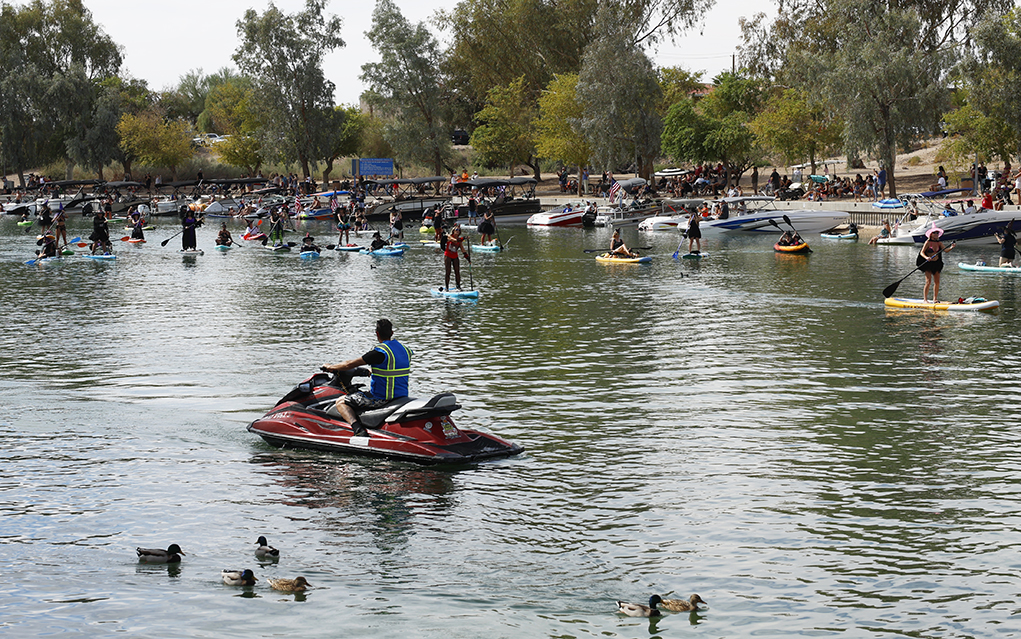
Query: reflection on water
x=753, y=427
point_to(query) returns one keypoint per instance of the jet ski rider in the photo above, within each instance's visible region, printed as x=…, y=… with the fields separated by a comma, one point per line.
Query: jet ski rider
x=391, y=368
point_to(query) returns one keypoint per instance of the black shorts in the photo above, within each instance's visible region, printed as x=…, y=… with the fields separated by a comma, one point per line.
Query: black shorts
x=362, y=401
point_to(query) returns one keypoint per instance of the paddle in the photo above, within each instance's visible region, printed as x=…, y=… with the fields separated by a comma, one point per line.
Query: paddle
x=167, y=241
x=640, y=248
x=468, y=256
x=125, y=238
x=891, y=289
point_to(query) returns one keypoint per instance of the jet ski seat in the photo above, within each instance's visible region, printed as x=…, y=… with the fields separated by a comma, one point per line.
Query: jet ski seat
x=373, y=418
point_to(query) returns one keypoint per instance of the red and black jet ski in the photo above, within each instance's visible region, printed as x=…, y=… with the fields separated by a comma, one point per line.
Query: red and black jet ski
x=418, y=430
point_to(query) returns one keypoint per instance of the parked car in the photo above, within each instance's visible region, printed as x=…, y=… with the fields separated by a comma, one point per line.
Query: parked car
x=460, y=137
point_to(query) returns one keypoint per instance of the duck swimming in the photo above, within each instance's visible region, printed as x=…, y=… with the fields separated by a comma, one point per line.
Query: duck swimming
x=265, y=550
x=171, y=555
x=298, y=584
x=682, y=605
x=239, y=577
x=638, y=610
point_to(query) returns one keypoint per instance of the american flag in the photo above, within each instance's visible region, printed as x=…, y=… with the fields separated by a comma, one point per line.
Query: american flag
x=298, y=208
x=614, y=190
x=334, y=205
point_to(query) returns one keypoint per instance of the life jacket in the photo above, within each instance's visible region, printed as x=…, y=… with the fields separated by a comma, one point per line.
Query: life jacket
x=390, y=379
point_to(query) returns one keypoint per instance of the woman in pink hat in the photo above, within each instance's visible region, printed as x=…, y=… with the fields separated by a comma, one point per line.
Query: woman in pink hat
x=930, y=261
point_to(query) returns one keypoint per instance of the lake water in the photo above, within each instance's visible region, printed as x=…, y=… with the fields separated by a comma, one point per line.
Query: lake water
x=755, y=428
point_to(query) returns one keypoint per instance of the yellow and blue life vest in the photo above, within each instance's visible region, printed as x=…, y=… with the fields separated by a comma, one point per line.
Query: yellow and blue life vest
x=390, y=379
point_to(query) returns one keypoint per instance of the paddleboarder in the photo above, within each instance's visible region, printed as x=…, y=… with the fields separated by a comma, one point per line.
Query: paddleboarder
x=49, y=246
x=391, y=369
x=308, y=243
x=137, y=222
x=451, y=258
x=1007, y=243
x=930, y=262
x=100, y=234
x=377, y=242
x=60, y=226
x=224, y=238
x=694, y=234
x=343, y=225
x=189, y=223
x=617, y=246
x=487, y=227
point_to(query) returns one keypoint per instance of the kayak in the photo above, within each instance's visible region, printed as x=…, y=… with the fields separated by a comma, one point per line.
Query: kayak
x=136, y=241
x=606, y=257
x=486, y=248
x=1013, y=270
x=223, y=247
x=426, y=230
x=350, y=248
x=192, y=252
x=843, y=236
x=978, y=305
x=383, y=252
x=67, y=251
x=794, y=248
x=26, y=223
x=309, y=255
x=400, y=245
x=454, y=293
x=100, y=257
x=147, y=227
x=257, y=236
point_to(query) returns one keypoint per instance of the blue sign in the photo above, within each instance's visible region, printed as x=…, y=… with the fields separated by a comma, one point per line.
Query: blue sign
x=373, y=166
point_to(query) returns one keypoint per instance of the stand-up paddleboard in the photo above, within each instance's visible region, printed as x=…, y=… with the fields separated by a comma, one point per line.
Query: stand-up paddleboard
x=100, y=257
x=694, y=256
x=1013, y=270
x=979, y=304
x=279, y=248
x=67, y=251
x=43, y=260
x=609, y=259
x=442, y=292
x=26, y=223
x=383, y=252
x=223, y=247
x=426, y=244
x=309, y=255
x=147, y=227
x=426, y=230
x=192, y=252
x=136, y=241
x=350, y=248
x=486, y=248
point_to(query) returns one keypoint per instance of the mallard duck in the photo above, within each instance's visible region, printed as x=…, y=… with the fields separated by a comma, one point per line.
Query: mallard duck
x=298, y=584
x=638, y=610
x=265, y=550
x=239, y=577
x=682, y=605
x=171, y=555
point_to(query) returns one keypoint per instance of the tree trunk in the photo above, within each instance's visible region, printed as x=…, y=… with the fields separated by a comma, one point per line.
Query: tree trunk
x=326, y=172
x=68, y=169
x=126, y=163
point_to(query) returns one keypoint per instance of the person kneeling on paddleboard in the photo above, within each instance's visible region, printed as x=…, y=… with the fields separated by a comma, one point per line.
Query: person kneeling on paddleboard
x=224, y=238
x=49, y=246
x=618, y=248
x=391, y=369
x=451, y=259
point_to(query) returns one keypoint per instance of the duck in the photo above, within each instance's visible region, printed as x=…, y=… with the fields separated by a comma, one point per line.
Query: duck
x=238, y=577
x=298, y=584
x=265, y=550
x=682, y=605
x=171, y=555
x=638, y=610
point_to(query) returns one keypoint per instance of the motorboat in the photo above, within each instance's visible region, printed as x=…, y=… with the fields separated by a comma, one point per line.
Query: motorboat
x=569, y=214
x=753, y=214
x=923, y=213
x=417, y=430
x=677, y=218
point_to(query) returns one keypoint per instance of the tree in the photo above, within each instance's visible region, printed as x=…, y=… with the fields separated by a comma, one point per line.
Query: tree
x=504, y=136
x=406, y=85
x=678, y=84
x=994, y=75
x=621, y=95
x=231, y=109
x=283, y=54
x=793, y=128
x=346, y=126
x=155, y=140
x=558, y=127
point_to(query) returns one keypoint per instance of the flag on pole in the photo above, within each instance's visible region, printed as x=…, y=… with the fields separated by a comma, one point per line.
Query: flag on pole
x=334, y=204
x=298, y=208
x=614, y=190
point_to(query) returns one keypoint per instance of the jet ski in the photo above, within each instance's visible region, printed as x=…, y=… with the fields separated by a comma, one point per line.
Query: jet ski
x=417, y=430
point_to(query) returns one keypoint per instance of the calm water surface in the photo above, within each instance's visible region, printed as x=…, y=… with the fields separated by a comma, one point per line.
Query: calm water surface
x=756, y=428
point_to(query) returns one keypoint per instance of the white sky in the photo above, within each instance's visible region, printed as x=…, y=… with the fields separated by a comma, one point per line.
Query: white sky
x=163, y=41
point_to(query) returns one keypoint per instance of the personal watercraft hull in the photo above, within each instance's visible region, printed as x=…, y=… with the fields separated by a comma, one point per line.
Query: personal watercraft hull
x=420, y=431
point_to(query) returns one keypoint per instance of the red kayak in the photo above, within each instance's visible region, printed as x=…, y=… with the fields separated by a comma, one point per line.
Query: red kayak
x=418, y=430
x=256, y=236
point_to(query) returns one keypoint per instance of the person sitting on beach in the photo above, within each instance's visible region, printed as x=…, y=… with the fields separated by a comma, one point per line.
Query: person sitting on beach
x=884, y=232
x=618, y=248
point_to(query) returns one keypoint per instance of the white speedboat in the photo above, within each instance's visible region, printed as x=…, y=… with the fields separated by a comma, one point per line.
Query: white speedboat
x=752, y=214
x=569, y=214
x=674, y=215
x=974, y=228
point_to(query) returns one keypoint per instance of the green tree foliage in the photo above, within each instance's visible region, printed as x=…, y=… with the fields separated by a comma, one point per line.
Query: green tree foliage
x=678, y=84
x=346, y=127
x=971, y=133
x=620, y=91
x=504, y=136
x=407, y=88
x=232, y=109
x=372, y=142
x=283, y=54
x=495, y=40
x=794, y=129
x=52, y=57
x=993, y=73
x=155, y=140
x=558, y=125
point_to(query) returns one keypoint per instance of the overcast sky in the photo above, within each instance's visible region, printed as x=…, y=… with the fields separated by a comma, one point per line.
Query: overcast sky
x=163, y=41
